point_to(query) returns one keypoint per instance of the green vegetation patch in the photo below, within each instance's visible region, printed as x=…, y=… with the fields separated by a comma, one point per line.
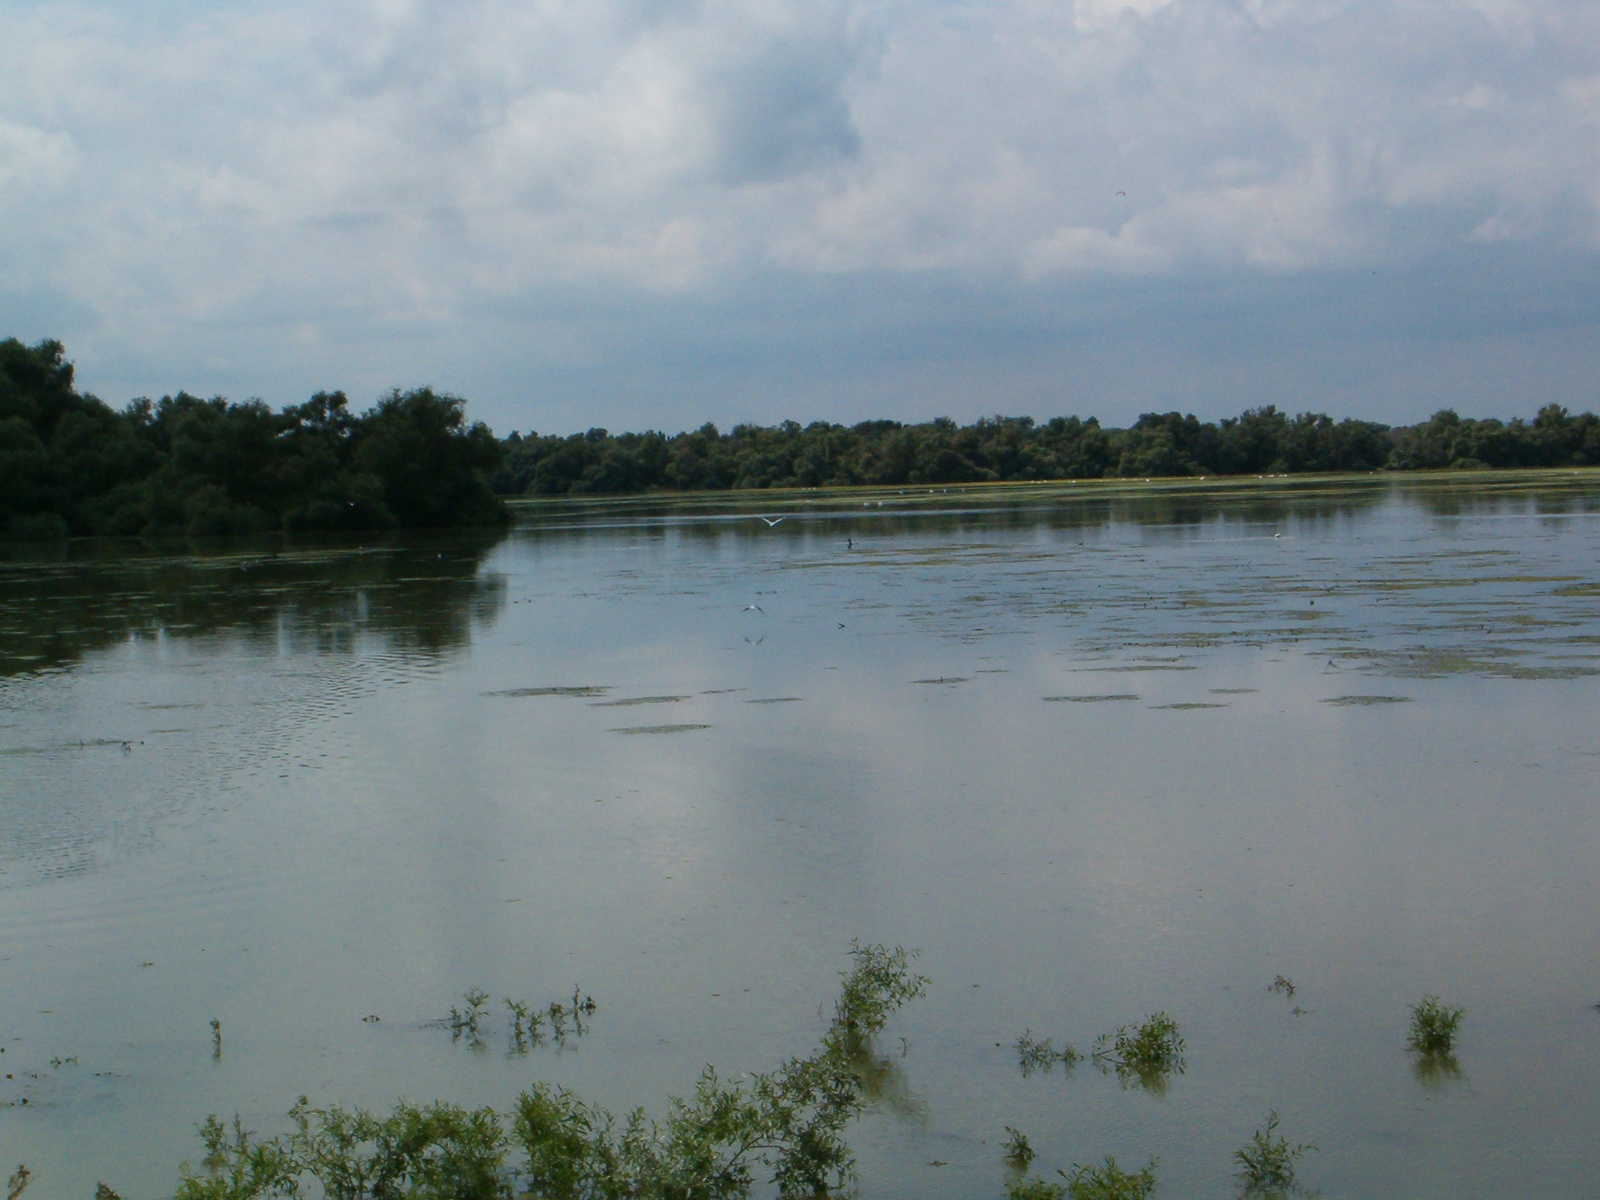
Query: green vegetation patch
x=1088, y=1182
x=1365, y=701
x=1090, y=699
x=1041, y=1055
x=632, y=700
x=1267, y=1162
x=584, y=693
x=786, y=1126
x=1139, y=667
x=1433, y=1027
x=204, y=468
x=659, y=729
x=1147, y=1054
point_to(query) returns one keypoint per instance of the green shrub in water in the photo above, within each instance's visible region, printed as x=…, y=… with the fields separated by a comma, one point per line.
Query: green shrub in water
x=1035, y=1055
x=1148, y=1052
x=1086, y=1182
x=1034, y=1188
x=1110, y=1182
x=1019, y=1151
x=1267, y=1161
x=788, y=1123
x=1433, y=1027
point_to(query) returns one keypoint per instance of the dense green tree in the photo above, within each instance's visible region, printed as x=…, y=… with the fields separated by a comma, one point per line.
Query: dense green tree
x=184, y=465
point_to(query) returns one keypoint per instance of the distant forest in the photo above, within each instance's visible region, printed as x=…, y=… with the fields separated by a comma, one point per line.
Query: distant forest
x=72, y=465
x=1259, y=442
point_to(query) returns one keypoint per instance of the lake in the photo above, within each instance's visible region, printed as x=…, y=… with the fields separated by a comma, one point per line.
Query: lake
x=1098, y=751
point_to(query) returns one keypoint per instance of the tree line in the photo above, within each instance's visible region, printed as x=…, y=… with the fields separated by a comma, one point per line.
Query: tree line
x=72, y=465
x=1258, y=442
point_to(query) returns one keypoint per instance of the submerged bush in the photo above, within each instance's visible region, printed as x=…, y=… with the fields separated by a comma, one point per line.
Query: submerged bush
x=1036, y=1055
x=1034, y=1188
x=1018, y=1149
x=1147, y=1053
x=787, y=1125
x=1087, y=1182
x=1267, y=1162
x=1433, y=1027
x=1110, y=1182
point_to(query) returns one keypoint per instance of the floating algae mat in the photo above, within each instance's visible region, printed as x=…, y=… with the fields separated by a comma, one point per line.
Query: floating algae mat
x=1090, y=699
x=578, y=692
x=660, y=729
x=396, y=785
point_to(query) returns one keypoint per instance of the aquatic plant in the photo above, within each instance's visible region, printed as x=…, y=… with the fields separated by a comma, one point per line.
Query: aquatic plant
x=465, y=1021
x=1034, y=1188
x=1267, y=1162
x=1019, y=1151
x=1284, y=985
x=1110, y=1182
x=1034, y=1055
x=788, y=1122
x=104, y=1191
x=880, y=983
x=216, y=1038
x=18, y=1183
x=525, y=1022
x=1148, y=1052
x=236, y=1168
x=1433, y=1027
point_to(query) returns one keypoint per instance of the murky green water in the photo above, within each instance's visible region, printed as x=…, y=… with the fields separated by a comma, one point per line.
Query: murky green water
x=1097, y=752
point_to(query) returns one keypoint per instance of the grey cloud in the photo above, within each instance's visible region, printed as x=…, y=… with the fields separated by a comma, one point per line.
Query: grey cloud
x=780, y=107
x=309, y=195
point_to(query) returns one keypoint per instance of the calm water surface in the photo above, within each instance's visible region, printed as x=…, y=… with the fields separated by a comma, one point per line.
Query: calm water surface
x=1097, y=752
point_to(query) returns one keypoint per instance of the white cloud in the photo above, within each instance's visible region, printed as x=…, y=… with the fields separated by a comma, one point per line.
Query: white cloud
x=405, y=164
x=34, y=158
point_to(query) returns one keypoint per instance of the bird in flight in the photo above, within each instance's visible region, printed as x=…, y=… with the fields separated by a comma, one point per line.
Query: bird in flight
x=771, y=521
x=753, y=608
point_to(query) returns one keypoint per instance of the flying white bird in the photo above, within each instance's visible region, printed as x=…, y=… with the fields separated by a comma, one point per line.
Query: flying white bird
x=771, y=521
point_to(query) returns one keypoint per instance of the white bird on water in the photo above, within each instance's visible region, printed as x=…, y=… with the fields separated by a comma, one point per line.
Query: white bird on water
x=771, y=521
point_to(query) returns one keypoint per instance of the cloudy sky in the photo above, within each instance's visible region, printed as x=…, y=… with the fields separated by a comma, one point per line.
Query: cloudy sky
x=657, y=212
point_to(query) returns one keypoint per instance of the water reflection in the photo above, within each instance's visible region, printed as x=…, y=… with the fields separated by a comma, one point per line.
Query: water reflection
x=421, y=595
